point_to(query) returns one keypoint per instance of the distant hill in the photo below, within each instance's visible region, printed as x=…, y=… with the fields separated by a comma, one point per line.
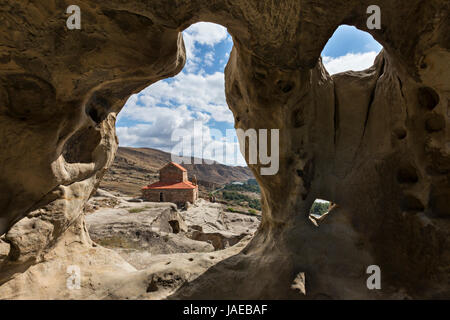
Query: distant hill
x=134, y=168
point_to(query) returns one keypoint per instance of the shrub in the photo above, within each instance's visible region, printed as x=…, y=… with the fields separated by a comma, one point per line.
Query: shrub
x=136, y=210
x=319, y=208
x=250, y=187
x=255, y=204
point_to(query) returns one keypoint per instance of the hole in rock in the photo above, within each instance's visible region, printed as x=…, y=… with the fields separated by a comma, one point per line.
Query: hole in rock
x=428, y=98
x=285, y=86
x=349, y=49
x=400, y=133
x=319, y=210
x=179, y=183
x=175, y=225
x=152, y=286
x=81, y=145
x=97, y=108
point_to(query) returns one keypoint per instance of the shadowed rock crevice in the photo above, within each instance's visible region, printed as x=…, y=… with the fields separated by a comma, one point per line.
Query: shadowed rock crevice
x=79, y=148
x=428, y=98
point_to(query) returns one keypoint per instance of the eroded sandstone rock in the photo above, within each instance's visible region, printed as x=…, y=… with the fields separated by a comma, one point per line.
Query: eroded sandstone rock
x=374, y=142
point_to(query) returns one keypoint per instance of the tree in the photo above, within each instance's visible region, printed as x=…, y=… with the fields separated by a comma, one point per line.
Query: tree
x=319, y=208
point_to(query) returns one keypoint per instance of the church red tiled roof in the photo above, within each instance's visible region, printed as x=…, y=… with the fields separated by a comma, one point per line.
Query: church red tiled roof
x=178, y=185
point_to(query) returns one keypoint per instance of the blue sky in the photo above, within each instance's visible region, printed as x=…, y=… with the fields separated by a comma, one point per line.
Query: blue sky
x=347, y=39
x=195, y=98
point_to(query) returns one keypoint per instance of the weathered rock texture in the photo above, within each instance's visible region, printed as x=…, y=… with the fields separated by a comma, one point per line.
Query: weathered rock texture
x=153, y=229
x=145, y=230
x=374, y=142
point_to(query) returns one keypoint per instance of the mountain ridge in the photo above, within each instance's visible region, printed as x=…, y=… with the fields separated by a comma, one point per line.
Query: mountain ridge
x=134, y=168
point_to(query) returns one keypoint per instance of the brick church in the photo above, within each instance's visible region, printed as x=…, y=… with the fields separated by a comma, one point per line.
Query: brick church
x=173, y=186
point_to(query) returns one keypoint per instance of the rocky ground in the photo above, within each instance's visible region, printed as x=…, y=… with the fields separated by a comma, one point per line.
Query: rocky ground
x=140, y=250
x=141, y=231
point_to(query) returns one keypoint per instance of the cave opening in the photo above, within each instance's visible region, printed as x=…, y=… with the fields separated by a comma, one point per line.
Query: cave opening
x=319, y=210
x=184, y=119
x=350, y=49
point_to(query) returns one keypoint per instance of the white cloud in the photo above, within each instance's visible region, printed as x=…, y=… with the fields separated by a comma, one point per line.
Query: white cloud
x=203, y=33
x=209, y=58
x=351, y=61
x=155, y=125
x=201, y=92
x=206, y=33
x=202, y=141
x=150, y=117
x=167, y=106
x=192, y=60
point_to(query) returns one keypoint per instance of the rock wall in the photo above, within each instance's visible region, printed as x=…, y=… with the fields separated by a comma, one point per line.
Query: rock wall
x=375, y=142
